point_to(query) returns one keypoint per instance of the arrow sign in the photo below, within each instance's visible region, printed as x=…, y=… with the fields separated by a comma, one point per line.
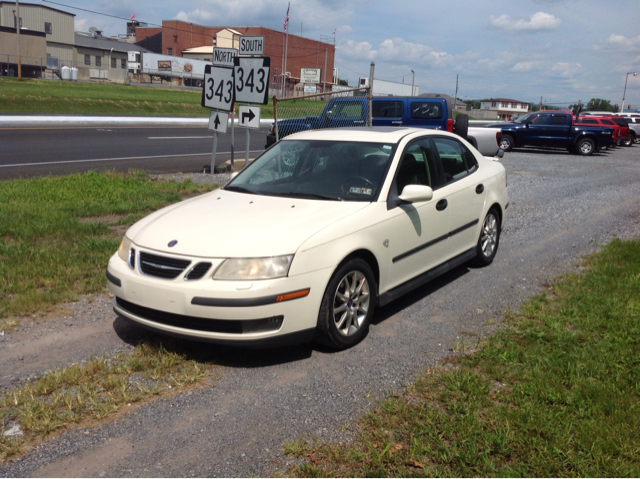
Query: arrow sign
x=218, y=121
x=249, y=116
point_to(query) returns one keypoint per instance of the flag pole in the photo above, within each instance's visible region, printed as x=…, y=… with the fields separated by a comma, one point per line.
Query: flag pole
x=286, y=48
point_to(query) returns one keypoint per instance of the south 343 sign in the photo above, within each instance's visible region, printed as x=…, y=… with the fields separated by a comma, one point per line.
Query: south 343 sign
x=218, y=90
x=252, y=79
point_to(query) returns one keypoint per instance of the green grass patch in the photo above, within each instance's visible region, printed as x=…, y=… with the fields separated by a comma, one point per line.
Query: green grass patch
x=555, y=394
x=57, y=233
x=47, y=96
x=85, y=394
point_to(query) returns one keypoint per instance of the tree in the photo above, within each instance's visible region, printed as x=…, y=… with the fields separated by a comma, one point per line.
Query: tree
x=533, y=107
x=598, y=104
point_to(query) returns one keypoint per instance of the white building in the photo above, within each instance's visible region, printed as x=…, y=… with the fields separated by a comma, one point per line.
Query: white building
x=505, y=108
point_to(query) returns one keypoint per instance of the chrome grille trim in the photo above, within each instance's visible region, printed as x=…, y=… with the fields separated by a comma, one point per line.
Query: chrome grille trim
x=163, y=267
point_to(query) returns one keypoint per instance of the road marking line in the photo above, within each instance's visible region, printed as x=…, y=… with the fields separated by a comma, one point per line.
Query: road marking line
x=118, y=159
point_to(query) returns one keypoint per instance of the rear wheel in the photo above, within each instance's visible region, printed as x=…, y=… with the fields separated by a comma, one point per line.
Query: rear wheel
x=507, y=142
x=347, y=305
x=489, y=240
x=626, y=142
x=585, y=147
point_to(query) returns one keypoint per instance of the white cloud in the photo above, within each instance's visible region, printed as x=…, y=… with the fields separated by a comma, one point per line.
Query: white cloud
x=565, y=70
x=395, y=51
x=620, y=42
x=522, y=67
x=537, y=22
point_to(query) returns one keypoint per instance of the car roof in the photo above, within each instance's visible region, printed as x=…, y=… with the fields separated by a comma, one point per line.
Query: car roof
x=376, y=134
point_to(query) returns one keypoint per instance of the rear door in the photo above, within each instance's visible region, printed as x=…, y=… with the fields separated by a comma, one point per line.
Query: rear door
x=463, y=192
x=558, y=129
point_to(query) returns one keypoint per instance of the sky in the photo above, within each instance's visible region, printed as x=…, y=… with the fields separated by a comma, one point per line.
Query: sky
x=559, y=50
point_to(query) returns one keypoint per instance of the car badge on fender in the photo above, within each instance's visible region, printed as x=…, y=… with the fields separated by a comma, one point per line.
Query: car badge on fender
x=172, y=243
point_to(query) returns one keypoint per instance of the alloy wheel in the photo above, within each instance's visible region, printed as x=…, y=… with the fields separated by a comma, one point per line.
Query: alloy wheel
x=351, y=303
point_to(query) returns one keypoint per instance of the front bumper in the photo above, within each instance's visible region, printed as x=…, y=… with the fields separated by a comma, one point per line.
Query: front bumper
x=240, y=312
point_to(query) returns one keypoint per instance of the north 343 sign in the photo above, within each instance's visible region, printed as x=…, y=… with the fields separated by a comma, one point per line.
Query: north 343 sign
x=252, y=79
x=218, y=90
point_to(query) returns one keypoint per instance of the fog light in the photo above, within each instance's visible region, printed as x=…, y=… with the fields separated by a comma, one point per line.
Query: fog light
x=262, y=325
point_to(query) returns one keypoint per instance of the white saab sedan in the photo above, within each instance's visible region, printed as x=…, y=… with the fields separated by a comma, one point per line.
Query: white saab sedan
x=308, y=239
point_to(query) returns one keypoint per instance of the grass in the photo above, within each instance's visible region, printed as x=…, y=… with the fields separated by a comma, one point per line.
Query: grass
x=555, y=394
x=47, y=96
x=85, y=394
x=57, y=233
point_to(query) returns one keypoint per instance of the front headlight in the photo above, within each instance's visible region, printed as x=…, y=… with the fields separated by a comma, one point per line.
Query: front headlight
x=123, y=249
x=254, y=268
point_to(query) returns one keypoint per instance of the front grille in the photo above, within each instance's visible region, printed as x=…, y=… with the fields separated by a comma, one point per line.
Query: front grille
x=198, y=271
x=162, y=266
x=132, y=258
x=202, y=324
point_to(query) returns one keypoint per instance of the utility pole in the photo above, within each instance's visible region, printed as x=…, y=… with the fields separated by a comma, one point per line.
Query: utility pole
x=413, y=77
x=324, y=86
x=18, y=38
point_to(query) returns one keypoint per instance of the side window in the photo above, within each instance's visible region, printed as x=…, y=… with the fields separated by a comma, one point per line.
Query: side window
x=47, y=28
x=539, y=120
x=426, y=110
x=453, y=158
x=346, y=110
x=87, y=59
x=560, y=120
x=588, y=121
x=387, y=109
x=418, y=166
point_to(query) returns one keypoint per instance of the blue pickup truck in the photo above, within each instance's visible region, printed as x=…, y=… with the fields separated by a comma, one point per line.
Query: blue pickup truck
x=386, y=111
x=553, y=128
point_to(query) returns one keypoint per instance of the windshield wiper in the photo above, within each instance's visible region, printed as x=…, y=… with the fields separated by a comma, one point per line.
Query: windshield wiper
x=300, y=194
x=240, y=189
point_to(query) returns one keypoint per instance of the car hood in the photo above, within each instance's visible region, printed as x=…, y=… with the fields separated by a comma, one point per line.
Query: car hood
x=224, y=224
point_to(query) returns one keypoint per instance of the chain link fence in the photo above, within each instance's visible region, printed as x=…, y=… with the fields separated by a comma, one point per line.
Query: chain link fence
x=317, y=111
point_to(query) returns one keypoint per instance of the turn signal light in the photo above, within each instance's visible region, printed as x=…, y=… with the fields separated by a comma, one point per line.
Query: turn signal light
x=295, y=295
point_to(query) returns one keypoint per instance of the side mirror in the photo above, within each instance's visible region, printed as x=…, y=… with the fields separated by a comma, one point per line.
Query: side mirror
x=416, y=193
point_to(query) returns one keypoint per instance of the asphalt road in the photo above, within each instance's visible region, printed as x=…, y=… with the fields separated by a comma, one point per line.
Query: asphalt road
x=561, y=207
x=57, y=151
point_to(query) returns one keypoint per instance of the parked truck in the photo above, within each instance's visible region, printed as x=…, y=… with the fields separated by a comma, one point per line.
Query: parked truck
x=421, y=112
x=167, y=67
x=554, y=129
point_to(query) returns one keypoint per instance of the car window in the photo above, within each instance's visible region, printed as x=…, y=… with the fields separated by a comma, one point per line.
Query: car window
x=539, y=120
x=426, y=110
x=452, y=156
x=558, y=120
x=418, y=166
x=607, y=122
x=588, y=121
x=347, y=110
x=387, y=109
x=331, y=170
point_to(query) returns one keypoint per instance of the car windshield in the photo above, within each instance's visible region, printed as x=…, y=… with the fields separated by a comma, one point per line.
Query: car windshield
x=327, y=170
x=524, y=118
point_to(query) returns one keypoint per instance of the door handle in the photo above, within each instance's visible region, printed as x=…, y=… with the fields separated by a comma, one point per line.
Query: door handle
x=396, y=123
x=358, y=122
x=480, y=188
x=441, y=205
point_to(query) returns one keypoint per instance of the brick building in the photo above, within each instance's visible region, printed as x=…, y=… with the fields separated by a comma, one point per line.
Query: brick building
x=178, y=36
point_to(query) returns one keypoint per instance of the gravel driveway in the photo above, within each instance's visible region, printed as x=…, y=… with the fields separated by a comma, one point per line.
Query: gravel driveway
x=562, y=207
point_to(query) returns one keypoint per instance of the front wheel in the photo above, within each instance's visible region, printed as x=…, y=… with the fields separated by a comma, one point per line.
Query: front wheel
x=489, y=240
x=347, y=305
x=585, y=147
x=507, y=142
x=627, y=141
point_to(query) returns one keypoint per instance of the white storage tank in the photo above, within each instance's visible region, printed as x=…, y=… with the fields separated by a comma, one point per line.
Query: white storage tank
x=74, y=74
x=65, y=72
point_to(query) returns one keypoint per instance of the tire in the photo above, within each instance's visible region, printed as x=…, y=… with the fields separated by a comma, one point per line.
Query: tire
x=507, y=142
x=461, y=127
x=489, y=240
x=343, y=319
x=626, y=142
x=585, y=147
